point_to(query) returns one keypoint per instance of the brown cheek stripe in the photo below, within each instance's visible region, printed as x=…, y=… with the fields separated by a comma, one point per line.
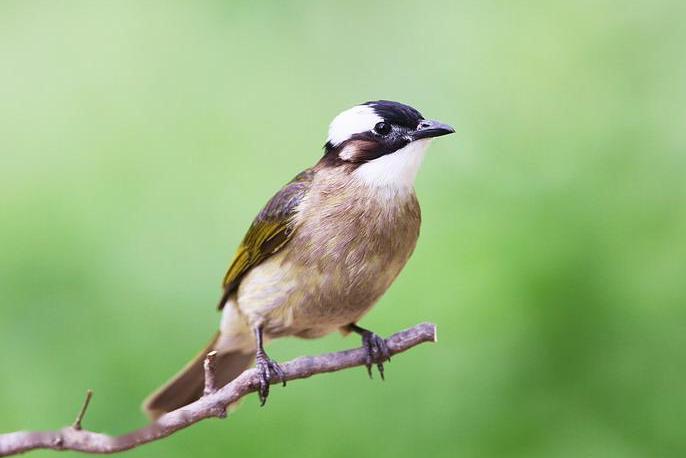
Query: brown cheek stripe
x=365, y=149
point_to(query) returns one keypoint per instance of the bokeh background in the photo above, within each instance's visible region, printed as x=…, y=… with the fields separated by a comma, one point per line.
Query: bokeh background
x=138, y=140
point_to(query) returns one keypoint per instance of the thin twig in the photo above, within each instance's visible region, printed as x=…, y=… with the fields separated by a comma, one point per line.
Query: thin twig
x=82, y=412
x=210, y=366
x=212, y=405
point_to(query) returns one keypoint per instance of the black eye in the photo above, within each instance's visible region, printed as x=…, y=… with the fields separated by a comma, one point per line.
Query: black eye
x=382, y=128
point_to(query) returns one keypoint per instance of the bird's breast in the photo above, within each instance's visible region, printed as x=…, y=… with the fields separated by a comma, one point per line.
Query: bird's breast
x=348, y=246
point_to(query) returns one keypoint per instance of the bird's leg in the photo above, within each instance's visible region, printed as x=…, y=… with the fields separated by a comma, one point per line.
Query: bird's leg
x=265, y=366
x=377, y=350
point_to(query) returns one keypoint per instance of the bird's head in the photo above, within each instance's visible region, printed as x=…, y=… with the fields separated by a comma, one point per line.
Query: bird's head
x=382, y=143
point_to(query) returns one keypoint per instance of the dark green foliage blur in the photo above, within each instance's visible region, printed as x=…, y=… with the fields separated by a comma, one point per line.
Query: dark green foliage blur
x=138, y=140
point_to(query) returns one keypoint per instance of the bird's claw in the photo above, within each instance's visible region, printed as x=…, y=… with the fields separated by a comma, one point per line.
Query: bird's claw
x=266, y=367
x=377, y=352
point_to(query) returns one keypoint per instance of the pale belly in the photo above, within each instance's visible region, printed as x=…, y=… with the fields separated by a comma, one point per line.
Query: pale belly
x=287, y=297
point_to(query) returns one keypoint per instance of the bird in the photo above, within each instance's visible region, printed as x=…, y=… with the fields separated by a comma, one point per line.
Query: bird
x=321, y=252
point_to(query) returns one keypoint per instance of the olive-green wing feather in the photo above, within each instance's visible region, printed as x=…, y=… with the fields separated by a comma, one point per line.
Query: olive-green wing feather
x=270, y=231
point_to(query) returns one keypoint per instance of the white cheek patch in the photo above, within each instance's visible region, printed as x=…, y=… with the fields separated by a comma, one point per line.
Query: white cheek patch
x=358, y=119
x=394, y=172
x=348, y=152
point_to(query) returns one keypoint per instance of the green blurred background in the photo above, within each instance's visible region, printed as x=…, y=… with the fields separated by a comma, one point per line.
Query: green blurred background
x=138, y=140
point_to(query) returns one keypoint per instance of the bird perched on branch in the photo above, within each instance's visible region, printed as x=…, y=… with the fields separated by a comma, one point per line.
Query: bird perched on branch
x=322, y=251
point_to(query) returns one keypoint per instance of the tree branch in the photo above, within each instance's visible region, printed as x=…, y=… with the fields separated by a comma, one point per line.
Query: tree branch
x=213, y=404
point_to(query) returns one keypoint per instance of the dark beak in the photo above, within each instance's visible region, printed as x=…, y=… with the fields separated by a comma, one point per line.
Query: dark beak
x=431, y=129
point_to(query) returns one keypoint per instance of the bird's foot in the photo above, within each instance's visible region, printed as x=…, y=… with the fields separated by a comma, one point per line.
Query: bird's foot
x=267, y=368
x=377, y=351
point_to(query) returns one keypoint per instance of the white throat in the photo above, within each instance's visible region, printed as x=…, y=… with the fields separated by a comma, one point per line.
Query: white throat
x=394, y=173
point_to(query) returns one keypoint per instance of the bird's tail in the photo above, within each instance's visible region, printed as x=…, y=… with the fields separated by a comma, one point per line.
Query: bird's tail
x=187, y=386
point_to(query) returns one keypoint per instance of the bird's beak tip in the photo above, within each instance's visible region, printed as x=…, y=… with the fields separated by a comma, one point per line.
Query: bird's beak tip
x=431, y=129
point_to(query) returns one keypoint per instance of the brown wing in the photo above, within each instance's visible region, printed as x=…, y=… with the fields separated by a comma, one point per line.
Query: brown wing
x=269, y=232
